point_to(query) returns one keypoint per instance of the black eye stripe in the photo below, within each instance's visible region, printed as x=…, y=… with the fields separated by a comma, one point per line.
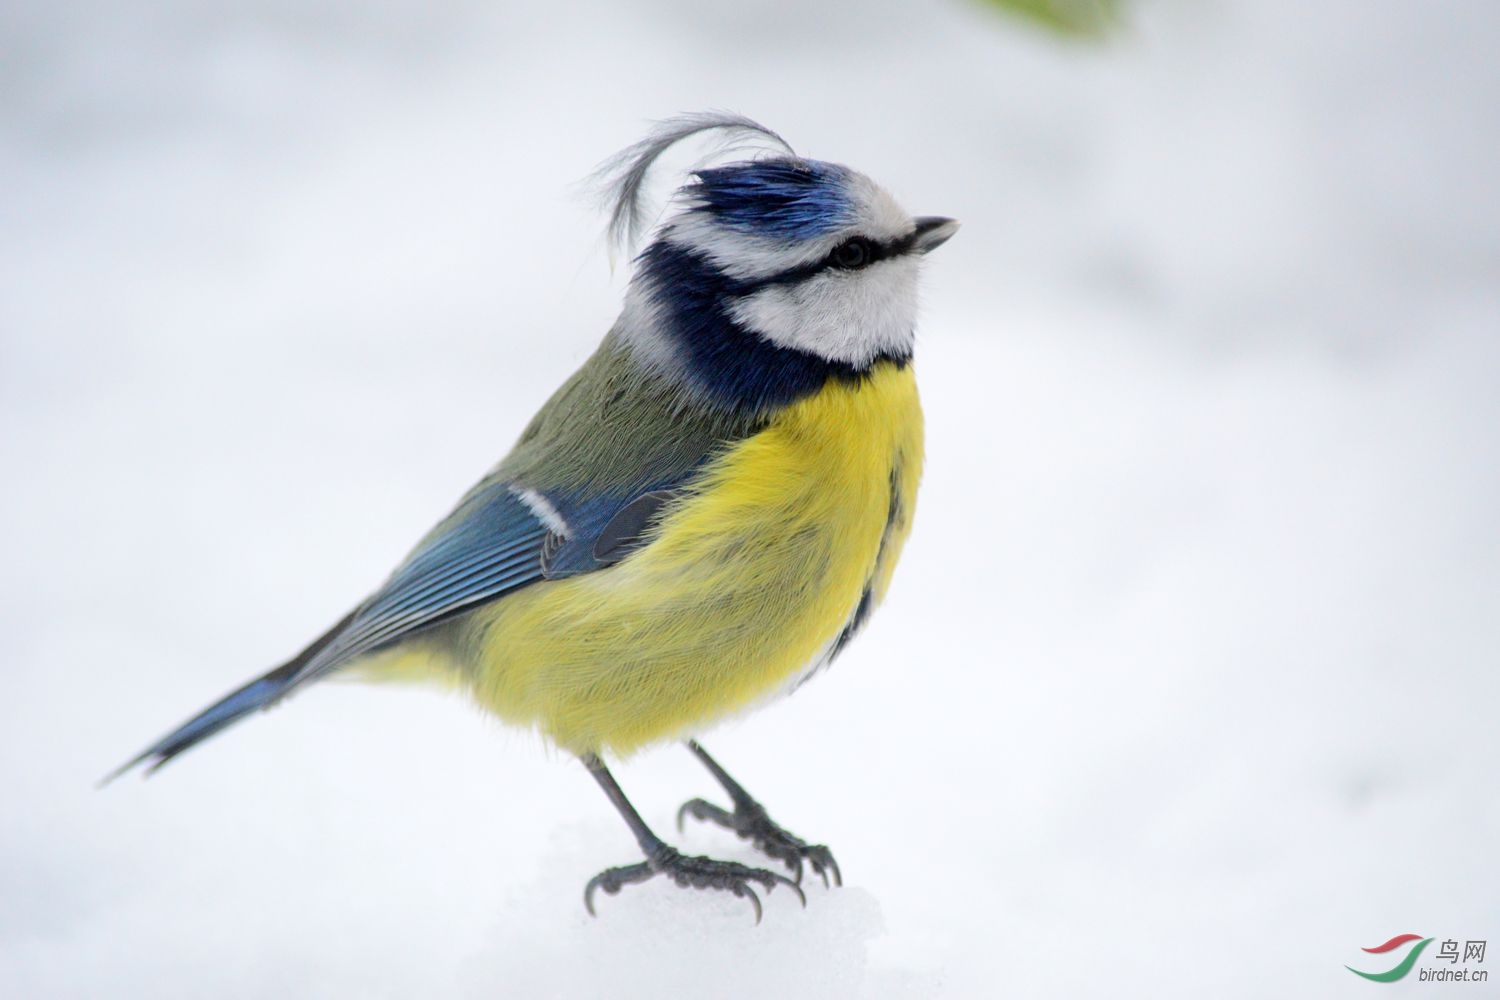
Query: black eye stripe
x=876, y=251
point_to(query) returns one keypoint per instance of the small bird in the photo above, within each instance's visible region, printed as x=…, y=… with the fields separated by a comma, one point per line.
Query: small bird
x=700, y=518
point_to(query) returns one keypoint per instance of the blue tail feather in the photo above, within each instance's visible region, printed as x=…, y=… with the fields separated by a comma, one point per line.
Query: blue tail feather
x=260, y=693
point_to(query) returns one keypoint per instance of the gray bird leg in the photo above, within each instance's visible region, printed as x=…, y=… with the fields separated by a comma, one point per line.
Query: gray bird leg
x=663, y=859
x=751, y=822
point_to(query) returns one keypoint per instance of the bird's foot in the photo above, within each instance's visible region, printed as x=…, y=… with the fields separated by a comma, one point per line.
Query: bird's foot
x=691, y=873
x=751, y=822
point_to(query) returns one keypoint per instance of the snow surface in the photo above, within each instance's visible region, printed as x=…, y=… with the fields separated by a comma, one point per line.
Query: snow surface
x=1186, y=687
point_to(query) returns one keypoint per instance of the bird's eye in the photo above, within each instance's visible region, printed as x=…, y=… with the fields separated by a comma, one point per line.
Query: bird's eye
x=852, y=253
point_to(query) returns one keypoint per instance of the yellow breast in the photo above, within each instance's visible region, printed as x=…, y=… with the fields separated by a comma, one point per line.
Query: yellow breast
x=748, y=579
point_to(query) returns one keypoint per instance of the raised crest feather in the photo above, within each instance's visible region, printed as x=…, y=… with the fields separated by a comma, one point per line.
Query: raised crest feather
x=621, y=179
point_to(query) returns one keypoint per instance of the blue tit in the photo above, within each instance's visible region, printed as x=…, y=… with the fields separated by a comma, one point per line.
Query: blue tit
x=701, y=518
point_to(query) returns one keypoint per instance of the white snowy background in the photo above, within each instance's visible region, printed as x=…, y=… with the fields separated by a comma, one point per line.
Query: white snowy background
x=1187, y=685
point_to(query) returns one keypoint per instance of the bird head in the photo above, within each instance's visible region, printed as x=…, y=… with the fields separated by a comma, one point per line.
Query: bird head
x=774, y=273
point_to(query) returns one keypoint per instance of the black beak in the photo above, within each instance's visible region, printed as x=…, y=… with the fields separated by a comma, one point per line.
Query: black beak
x=932, y=232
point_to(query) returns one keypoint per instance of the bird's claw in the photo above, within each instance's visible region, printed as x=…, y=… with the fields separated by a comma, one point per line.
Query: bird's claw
x=612, y=880
x=691, y=873
x=751, y=822
x=821, y=860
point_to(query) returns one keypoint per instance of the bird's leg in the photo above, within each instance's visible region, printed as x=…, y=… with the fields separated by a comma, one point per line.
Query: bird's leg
x=663, y=859
x=751, y=821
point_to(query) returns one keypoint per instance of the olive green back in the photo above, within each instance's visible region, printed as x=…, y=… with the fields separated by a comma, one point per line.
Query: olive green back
x=618, y=427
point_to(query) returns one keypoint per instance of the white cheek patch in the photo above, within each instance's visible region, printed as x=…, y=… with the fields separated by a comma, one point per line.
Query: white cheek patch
x=848, y=316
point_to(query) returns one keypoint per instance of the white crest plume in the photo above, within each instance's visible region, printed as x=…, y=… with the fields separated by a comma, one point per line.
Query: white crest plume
x=620, y=180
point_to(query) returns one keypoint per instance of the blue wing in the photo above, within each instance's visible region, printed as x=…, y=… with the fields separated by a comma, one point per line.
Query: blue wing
x=494, y=543
x=491, y=545
x=604, y=529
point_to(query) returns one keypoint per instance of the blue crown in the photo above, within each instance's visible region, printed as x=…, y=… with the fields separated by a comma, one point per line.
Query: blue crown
x=793, y=199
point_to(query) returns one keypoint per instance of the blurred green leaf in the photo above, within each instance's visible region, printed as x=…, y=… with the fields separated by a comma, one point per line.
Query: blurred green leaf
x=1081, y=18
